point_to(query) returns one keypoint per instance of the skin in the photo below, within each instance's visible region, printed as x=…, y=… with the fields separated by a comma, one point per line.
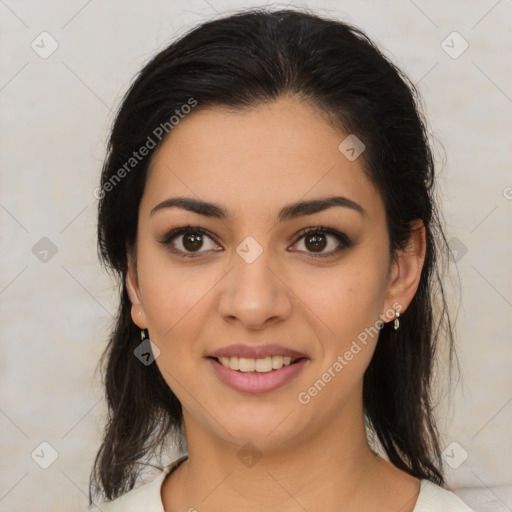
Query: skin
x=254, y=162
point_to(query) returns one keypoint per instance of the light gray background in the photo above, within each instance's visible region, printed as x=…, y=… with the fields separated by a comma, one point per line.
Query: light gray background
x=55, y=116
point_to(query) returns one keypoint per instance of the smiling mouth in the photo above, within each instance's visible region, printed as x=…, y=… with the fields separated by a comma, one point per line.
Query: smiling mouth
x=262, y=365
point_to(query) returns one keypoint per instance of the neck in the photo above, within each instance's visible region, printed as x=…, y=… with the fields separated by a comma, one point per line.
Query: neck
x=317, y=470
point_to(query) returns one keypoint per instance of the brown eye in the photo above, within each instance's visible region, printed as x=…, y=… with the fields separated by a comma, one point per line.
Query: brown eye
x=315, y=240
x=192, y=241
x=188, y=241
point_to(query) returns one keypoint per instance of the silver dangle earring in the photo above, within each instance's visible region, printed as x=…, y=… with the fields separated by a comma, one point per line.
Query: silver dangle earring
x=144, y=334
x=396, y=324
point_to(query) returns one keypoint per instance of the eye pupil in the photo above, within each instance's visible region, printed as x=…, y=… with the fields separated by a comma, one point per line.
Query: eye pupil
x=195, y=240
x=317, y=240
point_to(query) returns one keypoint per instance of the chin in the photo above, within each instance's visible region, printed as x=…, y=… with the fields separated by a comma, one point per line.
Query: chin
x=267, y=429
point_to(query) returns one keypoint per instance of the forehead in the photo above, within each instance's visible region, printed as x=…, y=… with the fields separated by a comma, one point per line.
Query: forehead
x=257, y=159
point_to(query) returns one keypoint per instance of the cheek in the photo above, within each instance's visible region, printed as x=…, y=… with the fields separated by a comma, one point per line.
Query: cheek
x=345, y=301
x=349, y=306
x=172, y=296
x=177, y=306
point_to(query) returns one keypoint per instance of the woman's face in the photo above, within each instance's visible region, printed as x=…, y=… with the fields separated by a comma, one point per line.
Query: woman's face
x=254, y=278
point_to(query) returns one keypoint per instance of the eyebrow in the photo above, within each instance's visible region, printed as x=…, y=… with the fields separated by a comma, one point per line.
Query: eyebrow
x=288, y=212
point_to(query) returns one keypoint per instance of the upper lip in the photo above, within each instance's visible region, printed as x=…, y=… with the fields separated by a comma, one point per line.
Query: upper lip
x=256, y=352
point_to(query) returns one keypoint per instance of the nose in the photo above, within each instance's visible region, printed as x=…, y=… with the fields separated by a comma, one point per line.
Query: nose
x=255, y=293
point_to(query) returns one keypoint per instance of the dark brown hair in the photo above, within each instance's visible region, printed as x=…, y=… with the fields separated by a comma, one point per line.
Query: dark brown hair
x=239, y=61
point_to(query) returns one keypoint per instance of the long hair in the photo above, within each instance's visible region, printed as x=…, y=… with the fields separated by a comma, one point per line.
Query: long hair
x=238, y=61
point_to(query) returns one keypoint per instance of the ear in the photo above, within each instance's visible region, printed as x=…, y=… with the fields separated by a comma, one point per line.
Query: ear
x=132, y=287
x=406, y=270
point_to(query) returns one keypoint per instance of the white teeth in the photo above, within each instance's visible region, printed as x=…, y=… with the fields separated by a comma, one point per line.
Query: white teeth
x=246, y=365
x=265, y=365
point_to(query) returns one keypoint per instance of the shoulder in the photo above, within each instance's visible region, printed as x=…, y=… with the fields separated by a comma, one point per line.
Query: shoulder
x=433, y=498
x=146, y=497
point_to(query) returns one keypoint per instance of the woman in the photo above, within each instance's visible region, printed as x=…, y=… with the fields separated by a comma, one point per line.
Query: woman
x=267, y=205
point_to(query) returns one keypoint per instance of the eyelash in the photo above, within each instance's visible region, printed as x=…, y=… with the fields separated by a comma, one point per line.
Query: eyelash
x=341, y=237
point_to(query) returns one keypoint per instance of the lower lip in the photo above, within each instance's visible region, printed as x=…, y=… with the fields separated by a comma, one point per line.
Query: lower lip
x=252, y=382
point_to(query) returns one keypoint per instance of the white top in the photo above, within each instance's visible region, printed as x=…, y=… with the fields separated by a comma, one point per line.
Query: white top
x=147, y=497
